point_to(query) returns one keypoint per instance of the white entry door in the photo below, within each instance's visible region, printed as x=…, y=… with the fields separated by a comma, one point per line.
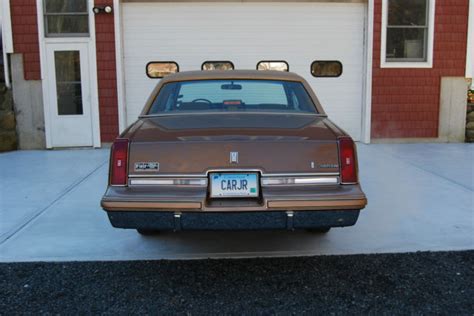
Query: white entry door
x=69, y=95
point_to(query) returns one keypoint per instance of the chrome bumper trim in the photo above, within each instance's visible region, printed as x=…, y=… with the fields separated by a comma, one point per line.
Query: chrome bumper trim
x=266, y=181
x=290, y=181
x=263, y=174
x=192, y=182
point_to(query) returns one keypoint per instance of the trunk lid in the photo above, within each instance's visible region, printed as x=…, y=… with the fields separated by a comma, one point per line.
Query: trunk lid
x=195, y=144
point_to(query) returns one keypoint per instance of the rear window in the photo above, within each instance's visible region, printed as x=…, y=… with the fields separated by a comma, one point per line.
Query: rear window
x=232, y=95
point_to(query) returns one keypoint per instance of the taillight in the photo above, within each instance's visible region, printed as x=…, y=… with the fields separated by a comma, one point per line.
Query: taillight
x=119, y=162
x=347, y=157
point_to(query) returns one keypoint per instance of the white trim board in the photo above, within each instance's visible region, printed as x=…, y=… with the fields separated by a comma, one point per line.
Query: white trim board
x=7, y=36
x=430, y=42
x=44, y=73
x=470, y=43
x=367, y=100
x=7, y=39
x=122, y=111
x=94, y=85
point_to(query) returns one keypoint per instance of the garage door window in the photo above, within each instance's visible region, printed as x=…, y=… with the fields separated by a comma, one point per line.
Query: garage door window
x=159, y=69
x=326, y=68
x=217, y=65
x=64, y=18
x=273, y=65
x=407, y=32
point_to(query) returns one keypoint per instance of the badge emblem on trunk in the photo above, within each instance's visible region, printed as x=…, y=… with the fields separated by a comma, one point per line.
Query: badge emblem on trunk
x=147, y=166
x=234, y=157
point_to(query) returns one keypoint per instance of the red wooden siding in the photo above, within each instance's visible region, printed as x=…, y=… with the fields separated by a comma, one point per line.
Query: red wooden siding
x=106, y=73
x=25, y=36
x=405, y=102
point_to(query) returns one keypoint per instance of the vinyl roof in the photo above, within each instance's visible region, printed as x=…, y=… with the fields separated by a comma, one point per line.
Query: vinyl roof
x=232, y=74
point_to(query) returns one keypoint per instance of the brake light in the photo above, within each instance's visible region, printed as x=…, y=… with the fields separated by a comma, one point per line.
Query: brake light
x=119, y=162
x=347, y=157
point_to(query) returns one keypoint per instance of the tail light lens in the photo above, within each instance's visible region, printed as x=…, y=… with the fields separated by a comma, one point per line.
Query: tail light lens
x=347, y=157
x=119, y=162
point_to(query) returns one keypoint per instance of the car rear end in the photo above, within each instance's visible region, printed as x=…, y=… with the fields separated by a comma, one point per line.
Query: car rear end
x=194, y=186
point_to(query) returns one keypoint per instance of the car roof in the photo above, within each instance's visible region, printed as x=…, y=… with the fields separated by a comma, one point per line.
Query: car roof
x=233, y=74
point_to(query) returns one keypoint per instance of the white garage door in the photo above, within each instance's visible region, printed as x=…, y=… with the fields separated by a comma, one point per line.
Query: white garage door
x=246, y=33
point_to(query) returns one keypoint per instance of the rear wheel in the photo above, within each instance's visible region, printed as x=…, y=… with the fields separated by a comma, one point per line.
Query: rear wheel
x=321, y=230
x=148, y=232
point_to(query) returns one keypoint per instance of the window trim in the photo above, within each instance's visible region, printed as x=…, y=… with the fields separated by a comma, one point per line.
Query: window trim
x=160, y=62
x=275, y=61
x=60, y=35
x=384, y=63
x=217, y=61
x=326, y=61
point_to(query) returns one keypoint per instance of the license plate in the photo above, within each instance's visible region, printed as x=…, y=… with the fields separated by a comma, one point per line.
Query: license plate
x=234, y=185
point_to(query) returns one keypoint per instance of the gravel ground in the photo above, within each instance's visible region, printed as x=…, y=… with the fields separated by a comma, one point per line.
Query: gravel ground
x=416, y=283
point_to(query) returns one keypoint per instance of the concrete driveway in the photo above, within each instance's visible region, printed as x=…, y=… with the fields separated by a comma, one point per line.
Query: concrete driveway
x=420, y=198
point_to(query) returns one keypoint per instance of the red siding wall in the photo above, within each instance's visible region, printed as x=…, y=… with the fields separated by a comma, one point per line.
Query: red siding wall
x=106, y=73
x=405, y=102
x=25, y=36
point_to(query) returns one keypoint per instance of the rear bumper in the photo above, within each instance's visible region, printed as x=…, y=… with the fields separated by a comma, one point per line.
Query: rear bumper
x=182, y=199
x=176, y=208
x=175, y=221
x=227, y=207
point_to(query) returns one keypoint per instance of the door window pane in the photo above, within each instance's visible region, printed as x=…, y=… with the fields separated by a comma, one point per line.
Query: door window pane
x=67, y=24
x=66, y=18
x=68, y=82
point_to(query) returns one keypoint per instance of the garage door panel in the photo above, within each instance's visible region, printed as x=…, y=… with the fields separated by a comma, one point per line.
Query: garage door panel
x=246, y=33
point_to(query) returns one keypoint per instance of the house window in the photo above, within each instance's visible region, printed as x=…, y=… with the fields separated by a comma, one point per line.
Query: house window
x=65, y=18
x=407, y=33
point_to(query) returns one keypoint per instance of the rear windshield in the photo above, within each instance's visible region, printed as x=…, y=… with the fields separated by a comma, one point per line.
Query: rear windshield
x=232, y=96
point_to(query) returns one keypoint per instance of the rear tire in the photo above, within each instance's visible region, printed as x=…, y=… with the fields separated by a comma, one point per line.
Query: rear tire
x=148, y=232
x=322, y=230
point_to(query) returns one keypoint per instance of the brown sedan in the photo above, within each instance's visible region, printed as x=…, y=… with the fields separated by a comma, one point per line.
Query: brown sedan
x=236, y=150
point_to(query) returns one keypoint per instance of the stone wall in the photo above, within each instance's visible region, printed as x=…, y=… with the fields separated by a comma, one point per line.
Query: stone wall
x=470, y=118
x=8, y=136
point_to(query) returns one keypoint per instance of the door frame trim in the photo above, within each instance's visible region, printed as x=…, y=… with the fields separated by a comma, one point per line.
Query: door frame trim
x=366, y=128
x=45, y=82
x=119, y=66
